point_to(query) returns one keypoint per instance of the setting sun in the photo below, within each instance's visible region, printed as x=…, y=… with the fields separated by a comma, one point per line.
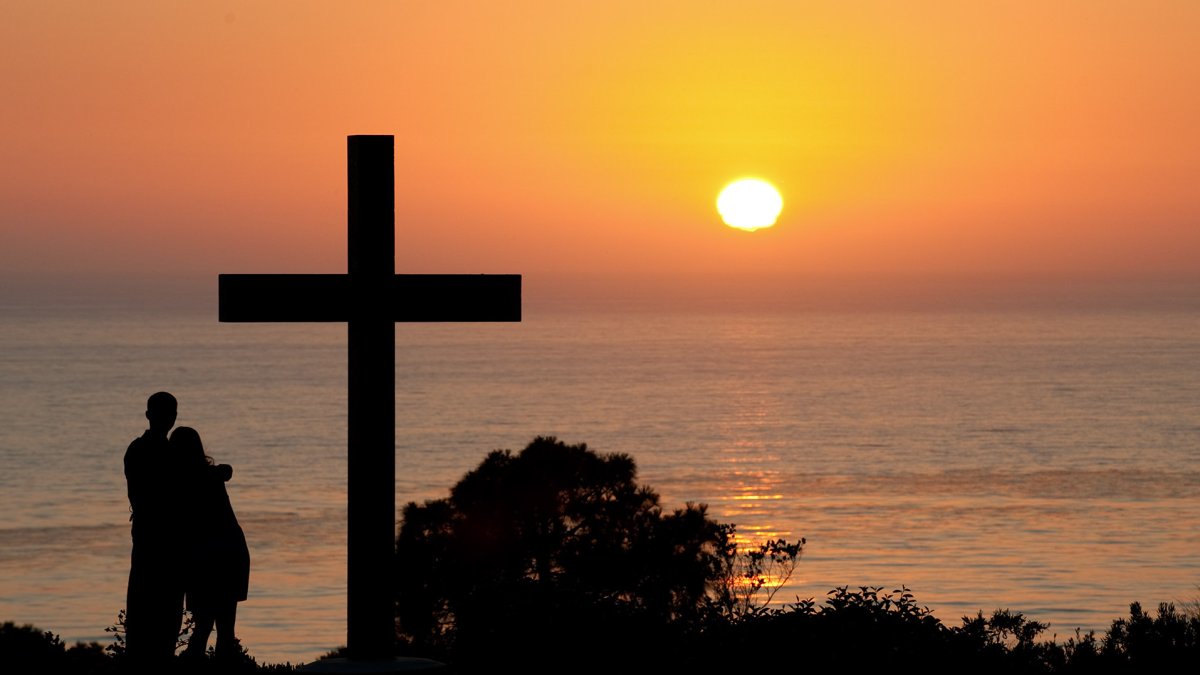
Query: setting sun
x=749, y=204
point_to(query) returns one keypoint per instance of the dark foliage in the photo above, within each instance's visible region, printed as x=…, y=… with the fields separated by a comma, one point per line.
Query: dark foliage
x=1170, y=640
x=554, y=552
x=25, y=649
x=890, y=631
x=852, y=630
x=853, y=627
x=753, y=577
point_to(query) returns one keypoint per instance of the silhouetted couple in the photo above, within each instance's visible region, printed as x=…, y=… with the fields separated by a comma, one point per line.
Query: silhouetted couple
x=186, y=542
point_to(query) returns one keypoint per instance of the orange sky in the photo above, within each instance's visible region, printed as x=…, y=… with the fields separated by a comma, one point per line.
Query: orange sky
x=585, y=142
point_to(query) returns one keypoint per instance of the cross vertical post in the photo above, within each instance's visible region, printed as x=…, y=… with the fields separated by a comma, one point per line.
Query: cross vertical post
x=371, y=399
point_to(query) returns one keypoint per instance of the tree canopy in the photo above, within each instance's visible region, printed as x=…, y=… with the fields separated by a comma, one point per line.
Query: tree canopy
x=559, y=542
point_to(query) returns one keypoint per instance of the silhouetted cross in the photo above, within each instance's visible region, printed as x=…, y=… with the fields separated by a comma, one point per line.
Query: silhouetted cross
x=370, y=299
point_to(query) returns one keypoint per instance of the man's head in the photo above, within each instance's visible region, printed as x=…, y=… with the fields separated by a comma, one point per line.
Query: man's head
x=161, y=410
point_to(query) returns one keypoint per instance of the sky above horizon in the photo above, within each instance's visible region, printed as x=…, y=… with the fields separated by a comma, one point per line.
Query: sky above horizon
x=913, y=142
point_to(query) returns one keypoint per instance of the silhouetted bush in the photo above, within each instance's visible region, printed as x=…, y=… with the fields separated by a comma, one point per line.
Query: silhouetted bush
x=888, y=631
x=892, y=632
x=554, y=552
x=25, y=649
x=860, y=629
x=1144, y=644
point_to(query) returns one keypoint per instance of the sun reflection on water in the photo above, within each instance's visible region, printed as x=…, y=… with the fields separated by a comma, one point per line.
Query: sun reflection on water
x=752, y=497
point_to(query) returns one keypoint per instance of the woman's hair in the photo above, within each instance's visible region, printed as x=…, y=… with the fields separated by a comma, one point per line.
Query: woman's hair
x=189, y=448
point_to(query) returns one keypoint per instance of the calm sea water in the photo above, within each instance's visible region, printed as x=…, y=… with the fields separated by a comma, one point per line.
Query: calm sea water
x=1044, y=462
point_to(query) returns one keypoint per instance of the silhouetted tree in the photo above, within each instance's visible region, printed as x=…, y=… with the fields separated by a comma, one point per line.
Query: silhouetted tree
x=554, y=549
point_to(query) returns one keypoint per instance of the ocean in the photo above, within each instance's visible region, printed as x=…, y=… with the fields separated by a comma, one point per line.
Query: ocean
x=1043, y=461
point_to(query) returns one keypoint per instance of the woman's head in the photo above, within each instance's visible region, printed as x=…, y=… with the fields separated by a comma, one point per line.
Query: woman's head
x=185, y=442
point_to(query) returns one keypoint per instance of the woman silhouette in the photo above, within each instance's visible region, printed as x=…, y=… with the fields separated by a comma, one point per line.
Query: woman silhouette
x=217, y=564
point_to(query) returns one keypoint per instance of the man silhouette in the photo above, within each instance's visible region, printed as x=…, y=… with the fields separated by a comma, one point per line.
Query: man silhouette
x=154, y=603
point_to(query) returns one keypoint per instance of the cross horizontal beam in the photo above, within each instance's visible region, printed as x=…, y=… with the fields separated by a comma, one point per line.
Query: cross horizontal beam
x=413, y=298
